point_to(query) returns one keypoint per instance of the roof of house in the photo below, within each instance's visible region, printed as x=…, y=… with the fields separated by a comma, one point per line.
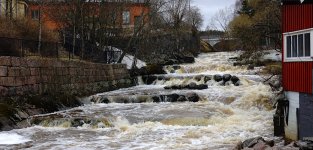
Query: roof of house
x=297, y=1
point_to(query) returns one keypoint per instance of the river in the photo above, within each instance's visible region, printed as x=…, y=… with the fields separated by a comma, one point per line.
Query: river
x=224, y=115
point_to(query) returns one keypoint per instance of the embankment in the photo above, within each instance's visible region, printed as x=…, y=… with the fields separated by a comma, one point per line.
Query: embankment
x=34, y=86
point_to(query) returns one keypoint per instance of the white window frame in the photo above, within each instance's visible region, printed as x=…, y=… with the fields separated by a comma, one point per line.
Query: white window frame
x=126, y=17
x=302, y=58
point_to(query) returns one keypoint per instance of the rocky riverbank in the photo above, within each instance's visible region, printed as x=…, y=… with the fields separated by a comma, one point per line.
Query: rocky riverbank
x=260, y=143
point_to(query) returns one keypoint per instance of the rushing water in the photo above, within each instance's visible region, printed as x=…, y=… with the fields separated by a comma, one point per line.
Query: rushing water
x=224, y=115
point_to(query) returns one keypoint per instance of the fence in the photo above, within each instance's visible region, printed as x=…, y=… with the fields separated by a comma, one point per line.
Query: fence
x=28, y=48
x=22, y=48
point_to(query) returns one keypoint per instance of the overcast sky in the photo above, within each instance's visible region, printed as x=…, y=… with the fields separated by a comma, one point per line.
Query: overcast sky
x=210, y=7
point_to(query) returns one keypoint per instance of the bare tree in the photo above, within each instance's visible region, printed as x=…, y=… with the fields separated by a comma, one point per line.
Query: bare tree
x=221, y=19
x=195, y=18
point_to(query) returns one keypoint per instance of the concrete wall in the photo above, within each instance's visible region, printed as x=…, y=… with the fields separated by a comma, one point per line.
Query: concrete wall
x=306, y=116
x=291, y=130
x=22, y=76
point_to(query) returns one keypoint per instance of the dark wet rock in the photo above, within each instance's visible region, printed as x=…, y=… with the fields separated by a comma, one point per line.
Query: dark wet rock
x=175, y=67
x=237, y=64
x=161, y=78
x=191, y=85
x=202, y=86
x=156, y=99
x=234, y=79
x=207, y=78
x=171, y=62
x=238, y=83
x=172, y=98
x=195, y=86
x=168, y=87
x=238, y=146
x=198, y=78
x=250, y=67
x=233, y=58
x=174, y=87
x=184, y=59
x=271, y=143
x=104, y=100
x=77, y=122
x=218, y=78
x=226, y=77
x=153, y=69
x=149, y=79
x=249, y=143
x=193, y=97
x=182, y=98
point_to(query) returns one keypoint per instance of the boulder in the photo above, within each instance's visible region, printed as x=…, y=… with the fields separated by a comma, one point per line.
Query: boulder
x=149, y=79
x=104, y=100
x=191, y=85
x=226, y=77
x=250, y=67
x=249, y=143
x=198, y=78
x=234, y=79
x=207, y=78
x=194, y=86
x=168, y=87
x=193, y=97
x=161, y=78
x=172, y=98
x=238, y=146
x=218, y=78
x=156, y=99
x=175, y=67
x=182, y=98
x=153, y=69
x=202, y=86
x=238, y=83
x=176, y=87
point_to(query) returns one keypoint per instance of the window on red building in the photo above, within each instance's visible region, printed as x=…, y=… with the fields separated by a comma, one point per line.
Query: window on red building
x=126, y=17
x=298, y=45
x=35, y=14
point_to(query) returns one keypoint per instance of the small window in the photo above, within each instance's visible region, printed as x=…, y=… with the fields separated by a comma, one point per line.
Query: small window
x=126, y=17
x=307, y=43
x=35, y=14
x=294, y=46
x=289, y=46
x=300, y=45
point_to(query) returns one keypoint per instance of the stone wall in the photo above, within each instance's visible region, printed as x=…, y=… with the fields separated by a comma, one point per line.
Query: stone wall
x=24, y=76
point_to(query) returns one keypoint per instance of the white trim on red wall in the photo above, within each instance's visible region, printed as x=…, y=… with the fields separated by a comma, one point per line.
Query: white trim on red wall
x=296, y=57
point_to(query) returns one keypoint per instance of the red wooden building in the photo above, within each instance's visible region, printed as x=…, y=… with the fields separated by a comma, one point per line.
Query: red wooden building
x=55, y=13
x=298, y=66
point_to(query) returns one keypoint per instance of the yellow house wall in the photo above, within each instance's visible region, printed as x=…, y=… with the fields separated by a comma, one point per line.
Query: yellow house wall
x=18, y=8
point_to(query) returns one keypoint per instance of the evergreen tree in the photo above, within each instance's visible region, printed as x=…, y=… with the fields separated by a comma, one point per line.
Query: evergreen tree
x=246, y=9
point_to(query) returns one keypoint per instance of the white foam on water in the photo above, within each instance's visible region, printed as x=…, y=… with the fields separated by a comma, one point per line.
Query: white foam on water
x=12, y=138
x=224, y=116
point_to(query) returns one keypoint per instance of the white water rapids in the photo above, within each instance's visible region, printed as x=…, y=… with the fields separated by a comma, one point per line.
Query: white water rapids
x=224, y=115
